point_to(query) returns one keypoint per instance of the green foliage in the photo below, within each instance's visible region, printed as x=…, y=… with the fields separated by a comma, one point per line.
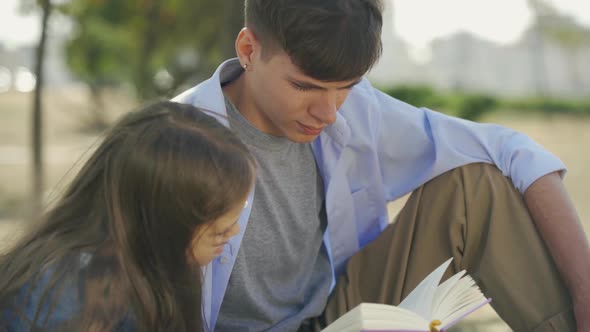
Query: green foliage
x=99, y=53
x=550, y=105
x=467, y=106
x=417, y=95
x=474, y=106
x=130, y=42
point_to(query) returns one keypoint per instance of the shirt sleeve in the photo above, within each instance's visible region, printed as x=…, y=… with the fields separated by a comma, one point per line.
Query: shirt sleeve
x=417, y=144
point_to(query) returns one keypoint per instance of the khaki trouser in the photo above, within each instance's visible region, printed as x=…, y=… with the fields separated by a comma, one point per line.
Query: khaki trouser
x=475, y=215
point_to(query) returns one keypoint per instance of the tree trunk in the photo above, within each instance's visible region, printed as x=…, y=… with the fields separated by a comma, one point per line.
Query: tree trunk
x=234, y=22
x=37, y=132
x=144, y=75
x=98, y=121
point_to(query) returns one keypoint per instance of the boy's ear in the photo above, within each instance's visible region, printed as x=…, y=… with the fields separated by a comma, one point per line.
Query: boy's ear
x=247, y=47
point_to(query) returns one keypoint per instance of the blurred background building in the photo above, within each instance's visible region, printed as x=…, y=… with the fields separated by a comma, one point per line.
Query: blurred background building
x=549, y=55
x=547, y=51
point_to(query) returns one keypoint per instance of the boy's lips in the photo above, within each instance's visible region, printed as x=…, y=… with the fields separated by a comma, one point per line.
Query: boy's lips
x=310, y=130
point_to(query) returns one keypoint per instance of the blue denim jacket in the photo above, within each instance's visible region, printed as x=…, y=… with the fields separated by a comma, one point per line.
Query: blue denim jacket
x=378, y=150
x=65, y=304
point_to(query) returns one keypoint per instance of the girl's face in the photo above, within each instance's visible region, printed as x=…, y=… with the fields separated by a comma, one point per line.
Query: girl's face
x=210, y=238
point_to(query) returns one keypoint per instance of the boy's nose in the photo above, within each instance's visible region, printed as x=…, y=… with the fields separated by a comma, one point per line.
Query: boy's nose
x=325, y=110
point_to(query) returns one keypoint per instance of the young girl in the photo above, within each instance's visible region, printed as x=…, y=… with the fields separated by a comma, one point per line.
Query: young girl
x=123, y=249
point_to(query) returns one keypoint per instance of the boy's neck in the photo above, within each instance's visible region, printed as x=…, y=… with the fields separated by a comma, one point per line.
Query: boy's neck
x=237, y=93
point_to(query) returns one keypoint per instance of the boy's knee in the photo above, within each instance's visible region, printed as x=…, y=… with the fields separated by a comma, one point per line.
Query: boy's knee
x=478, y=170
x=478, y=178
x=471, y=178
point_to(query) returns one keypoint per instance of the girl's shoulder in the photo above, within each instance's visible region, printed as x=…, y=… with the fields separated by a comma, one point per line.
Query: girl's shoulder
x=54, y=298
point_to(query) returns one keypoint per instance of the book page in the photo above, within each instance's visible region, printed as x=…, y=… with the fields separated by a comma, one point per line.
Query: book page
x=375, y=317
x=461, y=297
x=420, y=300
x=459, y=316
x=448, y=302
x=442, y=292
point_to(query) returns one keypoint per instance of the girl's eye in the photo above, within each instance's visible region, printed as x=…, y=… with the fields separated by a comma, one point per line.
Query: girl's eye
x=221, y=235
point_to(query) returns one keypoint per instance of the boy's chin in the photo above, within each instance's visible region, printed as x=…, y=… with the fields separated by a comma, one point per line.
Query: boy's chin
x=302, y=138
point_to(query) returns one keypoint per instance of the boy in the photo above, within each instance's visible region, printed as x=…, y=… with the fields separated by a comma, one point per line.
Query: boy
x=332, y=151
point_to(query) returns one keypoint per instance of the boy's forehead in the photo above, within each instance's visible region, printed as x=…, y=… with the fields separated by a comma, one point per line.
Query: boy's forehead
x=288, y=70
x=309, y=81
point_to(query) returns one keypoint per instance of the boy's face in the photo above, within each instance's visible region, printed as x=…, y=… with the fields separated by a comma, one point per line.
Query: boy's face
x=285, y=102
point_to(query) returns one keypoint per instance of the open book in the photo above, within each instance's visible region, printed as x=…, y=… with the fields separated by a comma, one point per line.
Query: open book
x=429, y=307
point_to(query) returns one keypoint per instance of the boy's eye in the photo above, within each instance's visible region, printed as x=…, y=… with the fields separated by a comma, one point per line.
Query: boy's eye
x=299, y=87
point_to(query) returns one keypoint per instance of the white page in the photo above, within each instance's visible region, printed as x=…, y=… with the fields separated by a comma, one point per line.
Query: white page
x=464, y=293
x=421, y=298
x=442, y=292
x=377, y=317
x=453, y=319
x=462, y=299
x=374, y=312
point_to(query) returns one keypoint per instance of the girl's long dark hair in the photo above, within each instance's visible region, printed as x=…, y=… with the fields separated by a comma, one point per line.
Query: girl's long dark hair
x=116, y=243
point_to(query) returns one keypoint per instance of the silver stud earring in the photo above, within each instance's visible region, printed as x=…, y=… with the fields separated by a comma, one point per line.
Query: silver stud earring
x=245, y=66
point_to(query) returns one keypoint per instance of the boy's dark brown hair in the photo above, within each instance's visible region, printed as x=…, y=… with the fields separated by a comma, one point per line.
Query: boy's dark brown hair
x=114, y=248
x=328, y=40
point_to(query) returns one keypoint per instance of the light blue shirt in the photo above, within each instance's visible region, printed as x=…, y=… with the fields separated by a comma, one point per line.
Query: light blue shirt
x=377, y=150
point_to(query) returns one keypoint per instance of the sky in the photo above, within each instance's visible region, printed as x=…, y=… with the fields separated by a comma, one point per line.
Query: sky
x=416, y=21
x=14, y=28
x=502, y=21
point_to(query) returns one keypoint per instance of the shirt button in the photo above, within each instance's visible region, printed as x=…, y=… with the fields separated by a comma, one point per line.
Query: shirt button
x=223, y=260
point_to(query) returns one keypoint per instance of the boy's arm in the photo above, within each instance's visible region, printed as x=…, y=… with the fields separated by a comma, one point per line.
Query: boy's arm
x=417, y=144
x=420, y=144
x=559, y=225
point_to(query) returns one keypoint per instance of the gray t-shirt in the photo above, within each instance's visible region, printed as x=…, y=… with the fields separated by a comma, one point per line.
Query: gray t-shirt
x=282, y=274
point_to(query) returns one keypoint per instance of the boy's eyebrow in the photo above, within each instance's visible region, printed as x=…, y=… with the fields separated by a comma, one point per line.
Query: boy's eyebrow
x=351, y=84
x=309, y=85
